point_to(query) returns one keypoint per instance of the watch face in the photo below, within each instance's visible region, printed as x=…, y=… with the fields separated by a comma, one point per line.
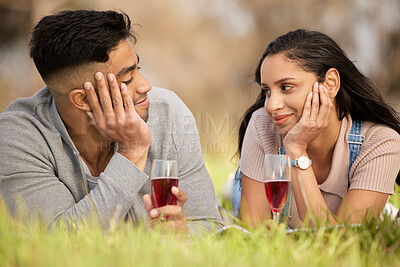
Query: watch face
x=303, y=162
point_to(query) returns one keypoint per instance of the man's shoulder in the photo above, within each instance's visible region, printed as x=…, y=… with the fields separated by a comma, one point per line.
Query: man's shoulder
x=28, y=106
x=26, y=113
x=160, y=94
x=166, y=101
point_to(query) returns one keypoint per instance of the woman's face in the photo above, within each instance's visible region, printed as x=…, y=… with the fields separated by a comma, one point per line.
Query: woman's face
x=286, y=86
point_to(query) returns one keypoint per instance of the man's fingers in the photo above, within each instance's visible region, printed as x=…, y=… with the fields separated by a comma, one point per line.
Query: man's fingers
x=148, y=205
x=128, y=103
x=181, y=197
x=92, y=98
x=104, y=95
x=171, y=211
x=117, y=102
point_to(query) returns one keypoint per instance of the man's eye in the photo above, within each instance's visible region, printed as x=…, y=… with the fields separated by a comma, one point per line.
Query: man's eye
x=128, y=81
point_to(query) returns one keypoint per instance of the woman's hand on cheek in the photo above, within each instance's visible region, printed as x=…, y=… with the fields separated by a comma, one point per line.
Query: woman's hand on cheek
x=316, y=116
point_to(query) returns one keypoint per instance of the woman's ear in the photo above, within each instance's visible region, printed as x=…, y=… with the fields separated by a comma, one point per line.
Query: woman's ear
x=332, y=82
x=78, y=98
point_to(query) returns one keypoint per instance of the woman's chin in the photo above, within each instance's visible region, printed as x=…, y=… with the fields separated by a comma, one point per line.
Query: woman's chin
x=283, y=130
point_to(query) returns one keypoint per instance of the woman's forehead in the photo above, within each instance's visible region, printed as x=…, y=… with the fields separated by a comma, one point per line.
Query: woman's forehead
x=277, y=67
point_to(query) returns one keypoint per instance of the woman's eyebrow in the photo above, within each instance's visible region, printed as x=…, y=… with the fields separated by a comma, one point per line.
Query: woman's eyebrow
x=284, y=80
x=279, y=81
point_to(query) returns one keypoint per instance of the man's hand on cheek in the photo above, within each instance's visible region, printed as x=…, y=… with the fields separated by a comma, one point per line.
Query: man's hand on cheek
x=116, y=119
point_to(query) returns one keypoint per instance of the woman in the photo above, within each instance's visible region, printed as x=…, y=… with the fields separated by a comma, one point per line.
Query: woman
x=311, y=97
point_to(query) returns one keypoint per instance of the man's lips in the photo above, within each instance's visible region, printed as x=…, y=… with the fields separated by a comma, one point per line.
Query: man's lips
x=281, y=119
x=142, y=102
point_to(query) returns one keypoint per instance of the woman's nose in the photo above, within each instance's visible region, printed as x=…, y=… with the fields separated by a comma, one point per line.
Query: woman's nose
x=273, y=103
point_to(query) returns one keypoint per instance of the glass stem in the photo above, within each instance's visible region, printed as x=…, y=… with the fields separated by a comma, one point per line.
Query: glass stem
x=276, y=216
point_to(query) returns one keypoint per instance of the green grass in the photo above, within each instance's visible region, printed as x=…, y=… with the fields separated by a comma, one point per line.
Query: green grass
x=372, y=244
x=368, y=245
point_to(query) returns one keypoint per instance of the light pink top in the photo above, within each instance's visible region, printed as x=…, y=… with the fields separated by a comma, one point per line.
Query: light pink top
x=375, y=168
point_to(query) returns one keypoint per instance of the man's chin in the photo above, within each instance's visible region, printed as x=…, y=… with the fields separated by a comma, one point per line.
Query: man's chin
x=145, y=115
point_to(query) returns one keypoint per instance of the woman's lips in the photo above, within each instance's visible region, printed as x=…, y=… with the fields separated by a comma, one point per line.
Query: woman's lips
x=281, y=119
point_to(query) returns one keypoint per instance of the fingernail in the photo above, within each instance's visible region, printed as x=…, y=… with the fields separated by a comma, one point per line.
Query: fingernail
x=123, y=87
x=110, y=77
x=175, y=190
x=310, y=94
x=316, y=85
x=326, y=91
x=153, y=213
x=87, y=86
x=98, y=76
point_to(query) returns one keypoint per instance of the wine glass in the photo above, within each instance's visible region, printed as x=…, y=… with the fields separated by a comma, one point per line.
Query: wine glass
x=277, y=182
x=164, y=175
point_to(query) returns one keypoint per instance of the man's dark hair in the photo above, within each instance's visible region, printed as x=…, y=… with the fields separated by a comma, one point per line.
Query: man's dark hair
x=72, y=38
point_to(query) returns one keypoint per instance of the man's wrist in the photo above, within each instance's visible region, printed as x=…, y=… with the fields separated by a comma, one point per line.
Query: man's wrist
x=137, y=157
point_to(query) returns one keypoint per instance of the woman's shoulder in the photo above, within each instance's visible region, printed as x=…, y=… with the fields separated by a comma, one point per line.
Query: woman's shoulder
x=379, y=140
x=261, y=122
x=376, y=133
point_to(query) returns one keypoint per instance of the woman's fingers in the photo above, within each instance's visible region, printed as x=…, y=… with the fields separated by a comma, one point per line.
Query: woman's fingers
x=315, y=103
x=307, y=107
x=326, y=107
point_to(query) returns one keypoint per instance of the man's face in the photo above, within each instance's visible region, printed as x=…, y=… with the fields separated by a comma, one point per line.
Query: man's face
x=123, y=63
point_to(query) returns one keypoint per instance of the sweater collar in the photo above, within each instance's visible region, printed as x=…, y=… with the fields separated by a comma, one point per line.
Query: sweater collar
x=59, y=124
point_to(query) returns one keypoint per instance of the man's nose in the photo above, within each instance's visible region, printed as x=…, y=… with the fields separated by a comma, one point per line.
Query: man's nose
x=142, y=85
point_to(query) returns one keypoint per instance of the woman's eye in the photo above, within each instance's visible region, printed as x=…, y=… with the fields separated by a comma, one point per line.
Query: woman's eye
x=128, y=81
x=266, y=91
x=286, y=87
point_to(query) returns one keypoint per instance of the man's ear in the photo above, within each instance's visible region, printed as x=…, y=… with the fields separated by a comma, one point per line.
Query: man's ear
x=332, y=82
x=78, y=98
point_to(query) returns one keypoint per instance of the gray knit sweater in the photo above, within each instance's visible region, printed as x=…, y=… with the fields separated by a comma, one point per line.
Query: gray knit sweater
x=41, y=172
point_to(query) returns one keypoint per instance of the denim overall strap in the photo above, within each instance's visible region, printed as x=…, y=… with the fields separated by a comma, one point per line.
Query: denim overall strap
x=355, y=140
x=237, y=193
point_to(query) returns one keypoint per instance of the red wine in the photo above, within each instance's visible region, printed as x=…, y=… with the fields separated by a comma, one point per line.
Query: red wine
x=161, y=191
x=277, y=193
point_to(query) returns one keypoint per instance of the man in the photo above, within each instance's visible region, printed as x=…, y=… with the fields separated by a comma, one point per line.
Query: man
x=81, y=146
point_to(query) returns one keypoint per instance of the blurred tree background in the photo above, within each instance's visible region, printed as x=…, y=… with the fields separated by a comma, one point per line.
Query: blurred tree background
x=207, y=50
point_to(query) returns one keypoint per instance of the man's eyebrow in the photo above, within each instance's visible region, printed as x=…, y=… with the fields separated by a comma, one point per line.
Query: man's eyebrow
x=126, y=70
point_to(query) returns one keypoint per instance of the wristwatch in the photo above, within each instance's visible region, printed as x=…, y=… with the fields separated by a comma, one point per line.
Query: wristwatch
x=303, y=162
